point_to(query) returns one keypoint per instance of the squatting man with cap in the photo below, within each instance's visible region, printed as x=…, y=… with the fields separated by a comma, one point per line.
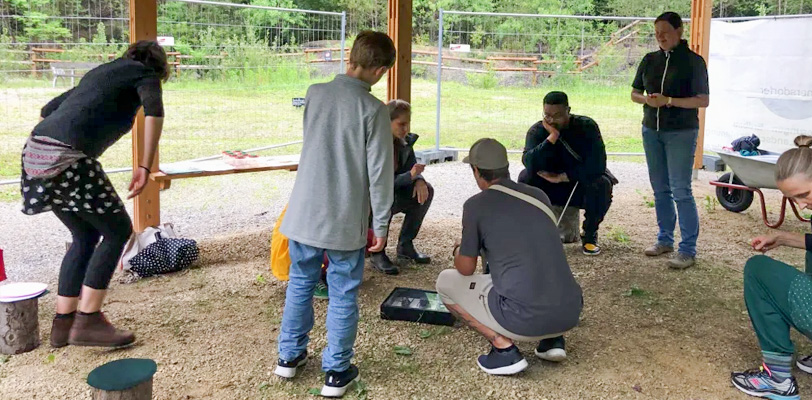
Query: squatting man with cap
x=530, y=293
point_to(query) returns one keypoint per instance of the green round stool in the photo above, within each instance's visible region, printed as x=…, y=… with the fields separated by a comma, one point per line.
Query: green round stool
x=126, y=379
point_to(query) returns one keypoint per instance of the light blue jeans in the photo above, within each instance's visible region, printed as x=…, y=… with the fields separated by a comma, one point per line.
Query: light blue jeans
x=344, y=277
x=670, y=158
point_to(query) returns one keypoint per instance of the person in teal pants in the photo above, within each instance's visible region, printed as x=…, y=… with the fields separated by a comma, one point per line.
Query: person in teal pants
x=779, y=296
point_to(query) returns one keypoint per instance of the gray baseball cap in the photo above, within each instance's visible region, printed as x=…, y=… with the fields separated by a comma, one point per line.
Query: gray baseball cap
x=487, y=154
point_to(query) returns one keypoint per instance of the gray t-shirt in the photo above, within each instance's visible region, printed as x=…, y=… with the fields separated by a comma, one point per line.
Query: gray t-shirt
x=534, y=292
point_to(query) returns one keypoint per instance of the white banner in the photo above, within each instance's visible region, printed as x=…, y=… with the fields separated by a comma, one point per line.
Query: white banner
x=760, y=76
x=166, y=41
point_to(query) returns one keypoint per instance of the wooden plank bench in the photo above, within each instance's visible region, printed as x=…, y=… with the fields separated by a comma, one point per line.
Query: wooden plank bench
x=196, y=169
x=70, y=70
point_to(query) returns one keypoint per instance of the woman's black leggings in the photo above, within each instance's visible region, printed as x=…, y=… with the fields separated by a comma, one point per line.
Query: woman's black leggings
x=89, y=262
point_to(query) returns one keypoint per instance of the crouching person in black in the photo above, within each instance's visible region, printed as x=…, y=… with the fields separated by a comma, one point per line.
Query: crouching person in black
x=565, y=150
x=413, y=195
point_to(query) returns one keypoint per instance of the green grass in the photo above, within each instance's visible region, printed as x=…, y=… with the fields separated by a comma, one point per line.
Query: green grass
x=205, y=117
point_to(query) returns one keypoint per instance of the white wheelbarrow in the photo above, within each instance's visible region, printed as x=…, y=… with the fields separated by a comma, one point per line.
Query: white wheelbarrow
x=749, y=175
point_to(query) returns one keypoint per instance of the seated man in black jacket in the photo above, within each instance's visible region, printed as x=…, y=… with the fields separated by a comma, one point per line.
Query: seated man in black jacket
x=563, y=150
x=413, y=195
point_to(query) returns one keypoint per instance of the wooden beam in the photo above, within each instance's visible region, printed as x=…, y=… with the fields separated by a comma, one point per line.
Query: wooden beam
x=326, y=49
x=515, y=69
x=528, y=59
x=43, y=50
x=164, y=177
x=147, y=206
x=701, y=12
x=400, y=30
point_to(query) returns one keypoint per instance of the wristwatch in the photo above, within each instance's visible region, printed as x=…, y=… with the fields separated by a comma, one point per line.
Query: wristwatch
x=454, y=250
x=669, y=101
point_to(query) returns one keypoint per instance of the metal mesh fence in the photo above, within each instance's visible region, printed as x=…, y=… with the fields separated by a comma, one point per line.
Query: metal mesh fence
x=236, y=70
x=498, y=67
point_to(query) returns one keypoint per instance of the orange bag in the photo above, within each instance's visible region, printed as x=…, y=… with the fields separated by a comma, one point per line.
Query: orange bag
x=280, y=257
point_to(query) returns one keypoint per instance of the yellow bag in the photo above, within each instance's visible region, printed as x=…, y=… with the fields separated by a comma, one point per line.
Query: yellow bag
x=280, y=257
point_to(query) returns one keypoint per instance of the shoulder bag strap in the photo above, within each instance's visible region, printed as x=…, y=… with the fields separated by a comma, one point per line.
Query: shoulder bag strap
x=530, y=199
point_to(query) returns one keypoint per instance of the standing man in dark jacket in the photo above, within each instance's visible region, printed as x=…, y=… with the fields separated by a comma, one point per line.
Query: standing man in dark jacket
x=413, y=195
x=675, y=82
x=563, y=150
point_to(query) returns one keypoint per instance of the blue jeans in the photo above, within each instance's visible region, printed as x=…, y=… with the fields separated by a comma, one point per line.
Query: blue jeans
x=670, y=158
x=343, y=280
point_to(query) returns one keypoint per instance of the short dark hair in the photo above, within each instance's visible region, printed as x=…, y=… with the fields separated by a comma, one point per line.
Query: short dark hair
x=373, y=50
x=491, y=175
x=557, y=98
x=671, y=17
x=151, y=54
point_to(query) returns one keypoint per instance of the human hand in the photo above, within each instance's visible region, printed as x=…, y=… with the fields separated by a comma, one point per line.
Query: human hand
x=378, y=245
x=421, y=191
x=417, y=170
x=657, y=100
x=553, y=178
x=553, y=133
x=138, y=182
x=765, y=243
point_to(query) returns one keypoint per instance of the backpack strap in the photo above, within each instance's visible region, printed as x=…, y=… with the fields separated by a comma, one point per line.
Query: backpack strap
x=570, y=150
x=525, y=197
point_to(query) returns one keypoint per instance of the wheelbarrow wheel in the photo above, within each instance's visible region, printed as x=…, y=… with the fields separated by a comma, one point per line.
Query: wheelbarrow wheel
x=736, y=200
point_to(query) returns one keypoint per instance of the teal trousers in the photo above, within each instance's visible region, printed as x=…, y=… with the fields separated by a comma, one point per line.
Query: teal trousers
x=778, y=296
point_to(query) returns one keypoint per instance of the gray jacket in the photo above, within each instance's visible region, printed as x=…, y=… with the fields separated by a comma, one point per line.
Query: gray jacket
x=346, y=168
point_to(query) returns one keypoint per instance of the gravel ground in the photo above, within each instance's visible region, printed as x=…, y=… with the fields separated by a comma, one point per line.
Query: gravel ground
x=206, y=208
x=213, y=330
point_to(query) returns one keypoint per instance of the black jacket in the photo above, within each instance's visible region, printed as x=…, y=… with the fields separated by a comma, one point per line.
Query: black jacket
x=678, y=73
x=404, y=161
x=584, y=138
x=101, y=108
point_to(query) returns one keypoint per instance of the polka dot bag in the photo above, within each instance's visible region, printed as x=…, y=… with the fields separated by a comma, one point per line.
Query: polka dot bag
x=164, y=256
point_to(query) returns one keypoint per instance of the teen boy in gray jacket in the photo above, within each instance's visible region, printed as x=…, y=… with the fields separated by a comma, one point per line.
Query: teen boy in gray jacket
x=346, y=168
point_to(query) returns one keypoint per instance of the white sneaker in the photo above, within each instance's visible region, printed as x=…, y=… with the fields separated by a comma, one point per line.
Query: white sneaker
x=552, y=349
x=287, y=369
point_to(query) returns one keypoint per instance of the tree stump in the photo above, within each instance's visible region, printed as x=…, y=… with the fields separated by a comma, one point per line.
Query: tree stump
x=126, y=379
x=19, y=326
x=139, y=392
x=569, y=229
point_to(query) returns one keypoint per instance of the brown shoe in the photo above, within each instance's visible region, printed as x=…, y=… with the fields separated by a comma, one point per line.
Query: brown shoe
x=60, y=330
x=658, y=249
x=95, y=330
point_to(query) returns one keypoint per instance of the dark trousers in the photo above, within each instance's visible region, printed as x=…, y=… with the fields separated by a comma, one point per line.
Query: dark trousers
x=777, y=296
x=414, y=212
x=89, y=262
x=594, y=198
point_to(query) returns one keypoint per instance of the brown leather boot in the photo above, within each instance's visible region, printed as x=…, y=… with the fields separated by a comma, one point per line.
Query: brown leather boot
x=95, y=330
x=60, y=330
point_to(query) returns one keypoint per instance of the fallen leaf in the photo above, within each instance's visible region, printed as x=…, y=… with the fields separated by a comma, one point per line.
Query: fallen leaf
x=403, y=351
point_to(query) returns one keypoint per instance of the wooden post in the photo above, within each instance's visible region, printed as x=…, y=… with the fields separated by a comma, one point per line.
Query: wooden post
x=400, y=30
x=19, y=326
x=701, y=12
x=147, y=208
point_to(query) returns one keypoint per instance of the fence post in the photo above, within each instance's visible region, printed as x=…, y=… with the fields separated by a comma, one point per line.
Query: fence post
x=439, y=78
x=147, y=205
x=341, y=69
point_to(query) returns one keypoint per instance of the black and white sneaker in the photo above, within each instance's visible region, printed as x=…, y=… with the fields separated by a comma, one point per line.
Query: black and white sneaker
x=337, y=383
x=508, y=361
x=287, y=369
x=805, y=364
x=552, y=349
